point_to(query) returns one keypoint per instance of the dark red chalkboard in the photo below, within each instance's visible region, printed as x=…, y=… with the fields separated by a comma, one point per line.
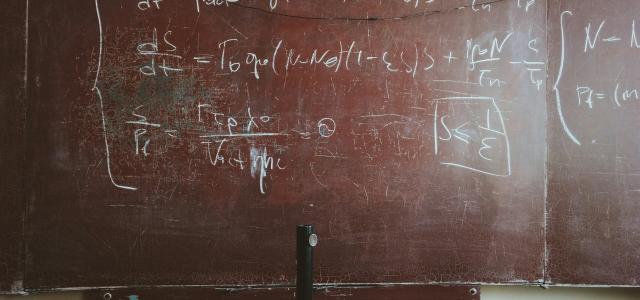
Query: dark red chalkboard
x=594, y=170
x=171, y=143
x=413, y=138
x=12, y=142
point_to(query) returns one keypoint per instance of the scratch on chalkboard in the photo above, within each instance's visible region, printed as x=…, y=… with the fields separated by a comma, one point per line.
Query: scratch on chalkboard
x=545, y=195
x=316, y=176
x=367, y=18
x=232, y=27
x=26, y=44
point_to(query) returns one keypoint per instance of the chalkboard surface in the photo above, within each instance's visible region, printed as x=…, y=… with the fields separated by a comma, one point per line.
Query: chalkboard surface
x=180, y=142
x=12, y=143
x=149, y=143
x=594, y=171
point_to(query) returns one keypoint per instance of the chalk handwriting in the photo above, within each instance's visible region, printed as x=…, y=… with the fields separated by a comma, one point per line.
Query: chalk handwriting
x=469, y=132
x=462, y=133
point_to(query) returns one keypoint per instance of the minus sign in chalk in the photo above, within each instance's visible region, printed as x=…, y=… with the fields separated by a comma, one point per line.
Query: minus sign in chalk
x=243, y=135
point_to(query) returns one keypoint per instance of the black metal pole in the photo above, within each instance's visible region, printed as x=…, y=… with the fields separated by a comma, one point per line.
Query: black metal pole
x=306, y=240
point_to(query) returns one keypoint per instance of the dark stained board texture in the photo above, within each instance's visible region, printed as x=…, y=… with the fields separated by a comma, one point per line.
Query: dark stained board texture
x=12, y=143
x=356, y=9
x=362, y=293
x=171, y=146
x=594, y=145
x=180, y=142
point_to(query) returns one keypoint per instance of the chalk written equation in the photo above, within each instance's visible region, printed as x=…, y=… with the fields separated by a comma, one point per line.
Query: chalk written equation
x=481, y=134
x=222, y=131
x=469, y=129
x=347, y=56
x=613, y=89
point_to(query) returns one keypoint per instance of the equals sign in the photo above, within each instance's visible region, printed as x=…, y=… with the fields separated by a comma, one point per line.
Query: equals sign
x=612, y=39
x=600, y=96
x=203, y=59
